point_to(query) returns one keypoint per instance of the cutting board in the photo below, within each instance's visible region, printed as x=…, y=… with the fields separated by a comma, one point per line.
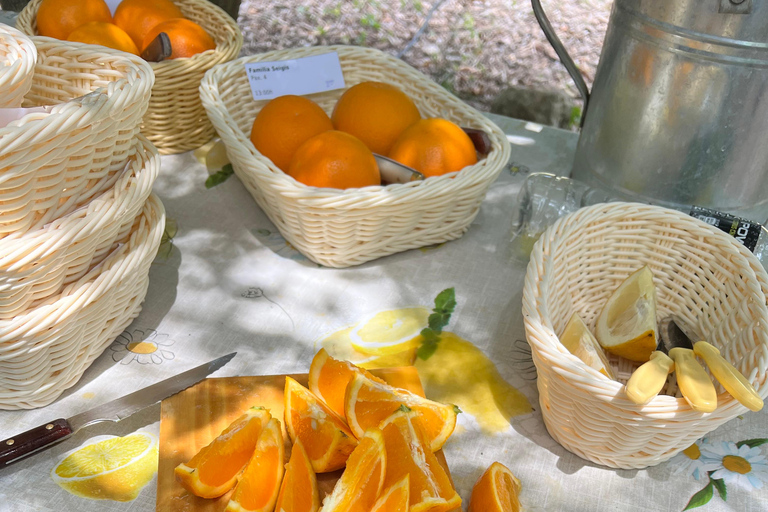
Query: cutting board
x=193, y=418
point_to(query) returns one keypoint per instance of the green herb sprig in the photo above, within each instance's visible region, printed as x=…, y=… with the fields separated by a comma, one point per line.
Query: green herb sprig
x=219, y=177
x=445, y=303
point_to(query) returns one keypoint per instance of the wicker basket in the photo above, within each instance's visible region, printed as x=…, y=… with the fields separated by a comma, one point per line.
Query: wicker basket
x=38, y=263
x=701, y=274
x=339, y=228
x=175, y=121
x=18, y=56
x=46, y=349
x=52, y=162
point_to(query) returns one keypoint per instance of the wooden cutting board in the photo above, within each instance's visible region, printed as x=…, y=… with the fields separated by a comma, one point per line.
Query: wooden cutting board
x=193, y=418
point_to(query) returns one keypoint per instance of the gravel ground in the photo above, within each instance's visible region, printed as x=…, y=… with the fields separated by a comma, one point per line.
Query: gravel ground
x=472, y=48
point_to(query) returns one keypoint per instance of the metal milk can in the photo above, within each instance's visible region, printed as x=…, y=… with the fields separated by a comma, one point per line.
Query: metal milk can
x=678, y=112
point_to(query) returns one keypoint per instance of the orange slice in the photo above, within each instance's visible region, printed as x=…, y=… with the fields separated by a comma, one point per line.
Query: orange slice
x=299, y=490
x=408, y=453
x=325, y=434
x=368, y=403
x=496, y=491
x=258, y=487
x=394, y=499
x=215, y=468
x=329, y=377
x=362, y=481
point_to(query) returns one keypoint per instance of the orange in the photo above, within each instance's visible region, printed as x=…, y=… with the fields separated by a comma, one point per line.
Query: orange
x=329, y=377
x=187, y=37
x=214, y=470
x=496, y=491
x=105, y=34
x=362, y=481
x=376, y=113
x=137, y=17
x=58, y=18
x=299, y=490
x=334, y=159
x=368, y=403
x=408, y=454
x=394, y=499
x=284, y=124
x=325, y=435
x=260, y=483
x=434, y=147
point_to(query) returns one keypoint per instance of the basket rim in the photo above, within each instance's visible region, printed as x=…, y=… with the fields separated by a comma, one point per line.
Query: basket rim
x=289, y=187
x=547, y=345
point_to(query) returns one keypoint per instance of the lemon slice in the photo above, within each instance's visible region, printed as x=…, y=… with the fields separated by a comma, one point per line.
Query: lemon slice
x=579, y=341
x=109, y=467
x=627, y=324
x=390, y=332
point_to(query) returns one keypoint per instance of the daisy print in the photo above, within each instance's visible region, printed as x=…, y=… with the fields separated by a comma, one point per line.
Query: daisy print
x=689, y=461
x=743, y=466
x=143, y=346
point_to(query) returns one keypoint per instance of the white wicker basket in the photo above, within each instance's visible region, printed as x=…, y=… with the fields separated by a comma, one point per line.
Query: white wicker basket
x=701, y=274
x=53, y=162
x=339, y=228
x=36, y=264
x=46, y=349
x=18, y=56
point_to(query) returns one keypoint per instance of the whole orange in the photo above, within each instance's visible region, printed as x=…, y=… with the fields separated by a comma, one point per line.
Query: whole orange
x=376, y=113
x=334, y=159
x=284, y=124
x=58, y=18
x=137, y=17
x=434, y=147
x=187, y=37
x=105, y=34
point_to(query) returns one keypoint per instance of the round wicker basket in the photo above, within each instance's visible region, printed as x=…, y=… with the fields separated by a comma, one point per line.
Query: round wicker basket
x=46, y=349
x=18, y=56
x=54, y=161
x=702, y=275
x=175, y=121
x=339, y=228
x=36, y=264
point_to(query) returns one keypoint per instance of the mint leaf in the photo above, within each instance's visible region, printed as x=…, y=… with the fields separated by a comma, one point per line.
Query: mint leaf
x=456, y=410
x=752, y=442
x=426, y=350
x=219, y=177
x=700, y=498
x=445, y=303
x=720, y=486
x=446, y=300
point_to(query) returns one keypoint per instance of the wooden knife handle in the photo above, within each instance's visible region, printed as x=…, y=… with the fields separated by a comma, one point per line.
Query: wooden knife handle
x=17, y=447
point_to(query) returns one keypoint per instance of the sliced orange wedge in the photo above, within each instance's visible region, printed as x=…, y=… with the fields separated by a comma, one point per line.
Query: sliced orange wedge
x=408, y=454
x=394, y=499
x=496, y=491
x=260, y=483
x=329, y=377
x=299, y=490
x=215, y=468
x=368, y=403
x=324, y=433
x=362, y=481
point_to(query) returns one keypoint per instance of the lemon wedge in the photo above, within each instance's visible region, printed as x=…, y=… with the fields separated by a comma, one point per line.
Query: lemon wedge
x=109, y=467
x=579, y=341
x=627, y=324
x=390, y=332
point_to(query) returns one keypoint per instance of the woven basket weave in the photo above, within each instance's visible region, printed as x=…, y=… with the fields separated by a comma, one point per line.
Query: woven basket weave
x=702, y=275
x=52, y=162
x=46, y=349
x=38, y=263
x=339, y=228
x=18, y=56
x=175, y=121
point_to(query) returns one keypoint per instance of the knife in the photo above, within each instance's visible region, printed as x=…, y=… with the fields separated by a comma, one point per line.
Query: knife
x=39, y=438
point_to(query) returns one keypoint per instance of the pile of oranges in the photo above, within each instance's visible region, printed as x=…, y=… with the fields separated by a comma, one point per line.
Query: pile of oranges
x=384, y=438
x=136, y=24
x=370, y=117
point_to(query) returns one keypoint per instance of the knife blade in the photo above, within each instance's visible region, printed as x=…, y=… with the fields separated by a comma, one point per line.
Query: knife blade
x=39, y=438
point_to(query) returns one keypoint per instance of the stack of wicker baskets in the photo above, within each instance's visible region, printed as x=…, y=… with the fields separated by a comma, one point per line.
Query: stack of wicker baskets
x=78, y=224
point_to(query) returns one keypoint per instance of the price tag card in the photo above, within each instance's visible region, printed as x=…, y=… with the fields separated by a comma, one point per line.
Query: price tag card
x=307, y=75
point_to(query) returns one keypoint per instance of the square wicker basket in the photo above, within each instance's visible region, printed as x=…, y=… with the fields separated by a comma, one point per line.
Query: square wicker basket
x=340, y=228
x=702, y=275
x=175, y=120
